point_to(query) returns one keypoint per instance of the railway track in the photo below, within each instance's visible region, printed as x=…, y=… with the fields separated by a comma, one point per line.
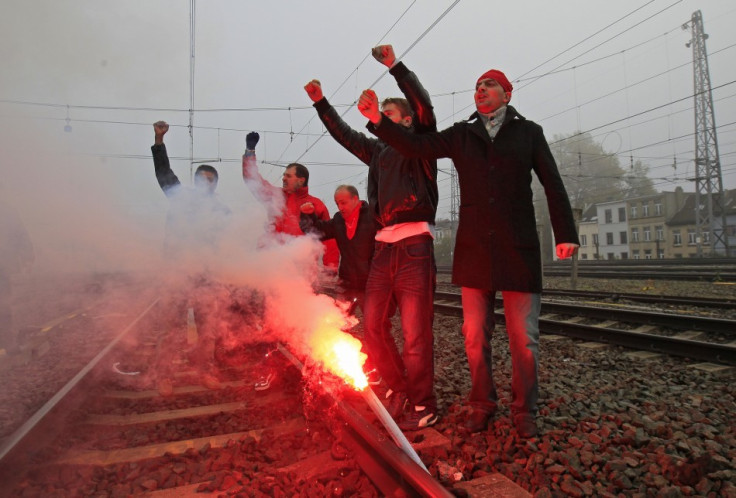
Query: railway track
x=120, y=428
x=707, y=270
x=696, y=337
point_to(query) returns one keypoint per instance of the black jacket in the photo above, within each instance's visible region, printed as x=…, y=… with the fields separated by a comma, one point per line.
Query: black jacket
x=400, y=189
x=355, y=253
x=497, y=246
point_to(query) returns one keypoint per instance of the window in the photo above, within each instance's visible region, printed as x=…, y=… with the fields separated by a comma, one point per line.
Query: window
x=583, y=241
x=706, y=237
x=676, y=237
x=609, y=216
x=595, y=239
x=624, y=255
x=635, y=235
x=609, y=239
x=647, y=254
x=659, y=230
x=633, y=212
x=691, y=236
x=610, y=256
x=657, y=208
x=660, y=253
x=635, y=254
x=622, y=235
x=584, y=255
x=647, y=234
x=621, y=214
x=645, y=210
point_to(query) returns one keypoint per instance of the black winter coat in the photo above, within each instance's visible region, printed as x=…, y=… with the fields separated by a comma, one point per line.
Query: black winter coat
x=400, y=189
x=355, y=253
x=497, y=246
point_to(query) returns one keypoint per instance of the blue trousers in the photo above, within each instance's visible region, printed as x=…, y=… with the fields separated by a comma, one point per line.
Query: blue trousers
x=403, y=272
x=521, y=310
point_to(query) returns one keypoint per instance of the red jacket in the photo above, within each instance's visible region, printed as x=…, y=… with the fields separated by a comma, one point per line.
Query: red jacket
x=287, y=219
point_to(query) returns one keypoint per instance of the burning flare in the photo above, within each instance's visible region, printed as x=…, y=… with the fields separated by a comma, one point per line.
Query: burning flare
x=339, y=351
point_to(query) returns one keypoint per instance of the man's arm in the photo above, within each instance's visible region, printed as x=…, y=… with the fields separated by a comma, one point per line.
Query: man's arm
x=164, y=174
x=355, y=142
x=324, y=229
x=415, y=93
x=252, y=178
x=431, y=145
x=560, y=211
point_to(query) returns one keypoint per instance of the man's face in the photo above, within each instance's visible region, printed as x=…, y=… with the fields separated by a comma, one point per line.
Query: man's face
x=346, y=202
x=290, y=181
x=393, y=112
x=205, y=181
x=489, y=96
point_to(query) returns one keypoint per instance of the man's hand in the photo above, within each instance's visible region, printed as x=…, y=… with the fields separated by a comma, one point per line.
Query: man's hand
x=314, y=90
x=385, y=55
x=251, y=140
x=566, y=250
x=368, y=106
x=160, y=128
x=307, y=208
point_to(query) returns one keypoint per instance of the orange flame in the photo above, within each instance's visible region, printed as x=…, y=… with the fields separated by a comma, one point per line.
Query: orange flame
x=339, y=352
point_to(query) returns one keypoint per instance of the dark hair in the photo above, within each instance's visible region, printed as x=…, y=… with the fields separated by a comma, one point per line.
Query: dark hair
x=208, y=169
x=301, y=172
x=402, y=104
x=353, y=191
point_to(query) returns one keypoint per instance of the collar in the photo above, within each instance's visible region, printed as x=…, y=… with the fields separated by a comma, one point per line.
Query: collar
x=498, y=115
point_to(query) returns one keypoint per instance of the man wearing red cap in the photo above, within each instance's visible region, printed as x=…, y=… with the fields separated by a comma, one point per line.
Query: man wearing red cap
x=497, y=247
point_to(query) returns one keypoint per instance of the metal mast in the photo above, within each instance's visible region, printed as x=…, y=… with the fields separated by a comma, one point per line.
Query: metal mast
x=709, y=196
x=192, y=9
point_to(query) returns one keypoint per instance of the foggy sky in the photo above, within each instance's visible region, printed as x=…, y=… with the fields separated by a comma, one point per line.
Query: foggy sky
x=90, y=197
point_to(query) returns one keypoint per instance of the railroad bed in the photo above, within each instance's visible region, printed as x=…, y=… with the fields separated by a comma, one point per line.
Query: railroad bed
x=612, y=421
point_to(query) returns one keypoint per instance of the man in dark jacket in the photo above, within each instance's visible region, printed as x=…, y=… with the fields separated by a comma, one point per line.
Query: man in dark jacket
x=402, y=195
x=196, y=217
x=354, y=230
x=497, y=247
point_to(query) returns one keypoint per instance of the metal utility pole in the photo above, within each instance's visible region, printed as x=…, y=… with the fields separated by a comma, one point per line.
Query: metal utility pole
x=709, y=195
x=192, y=11
x=454, y=201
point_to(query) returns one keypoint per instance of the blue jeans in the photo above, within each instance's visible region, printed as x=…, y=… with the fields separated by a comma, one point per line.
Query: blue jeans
x=403, y=272
x=521, y=310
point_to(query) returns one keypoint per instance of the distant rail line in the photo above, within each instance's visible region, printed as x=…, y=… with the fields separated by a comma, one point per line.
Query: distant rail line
x=696, y=337
x=708, y=270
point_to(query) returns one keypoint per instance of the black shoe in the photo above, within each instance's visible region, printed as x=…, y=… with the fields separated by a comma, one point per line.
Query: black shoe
x=396, y=403
x=526, y=425
x=478, y=421
x=419, y=419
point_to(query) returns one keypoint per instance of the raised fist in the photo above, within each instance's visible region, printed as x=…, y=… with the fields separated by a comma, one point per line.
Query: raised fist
x=307, y=208
x=384, y=54
x=251, y=140
x=314, y=90
x=160, y=128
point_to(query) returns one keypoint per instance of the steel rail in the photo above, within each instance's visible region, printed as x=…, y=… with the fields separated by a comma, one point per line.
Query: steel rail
x=706, y=351
x=393, y=471
x=677, y=321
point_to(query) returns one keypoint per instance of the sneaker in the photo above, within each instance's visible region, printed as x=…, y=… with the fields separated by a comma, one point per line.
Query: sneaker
x=374, y=378
x=264, y=382
x=419, y=419
x=396, y=403
x=525, y=425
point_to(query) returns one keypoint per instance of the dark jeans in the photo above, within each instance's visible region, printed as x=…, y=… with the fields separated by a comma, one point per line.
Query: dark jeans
x=403, y=272
x=521, y=310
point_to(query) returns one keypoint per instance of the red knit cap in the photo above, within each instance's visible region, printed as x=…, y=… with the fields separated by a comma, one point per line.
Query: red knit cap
x=495, y=74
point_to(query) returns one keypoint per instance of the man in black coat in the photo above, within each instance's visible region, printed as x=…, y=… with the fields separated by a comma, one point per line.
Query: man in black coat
x=497, y=248
x=354, y=229
x=402, y=196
